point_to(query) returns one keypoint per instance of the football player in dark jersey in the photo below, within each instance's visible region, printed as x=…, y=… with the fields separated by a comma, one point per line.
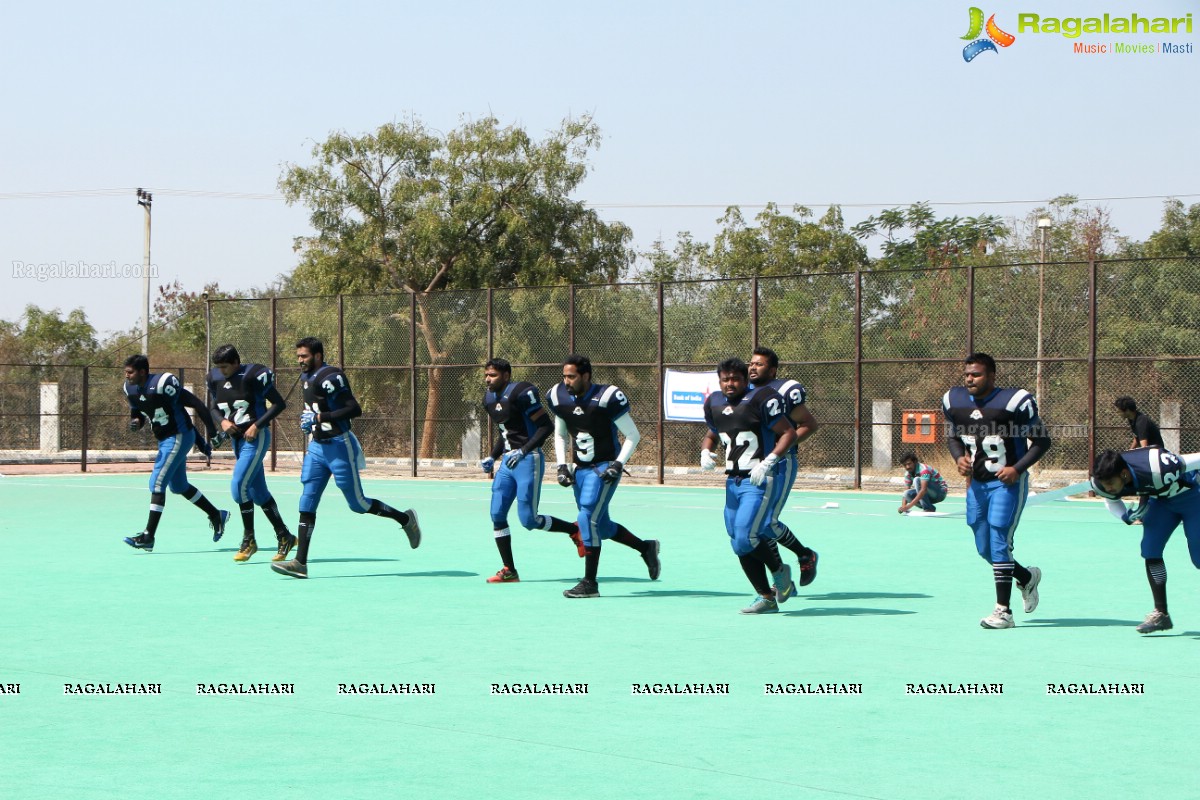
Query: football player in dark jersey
x=516, y=409
x=995, y=436
x=244, y=399
x=756, y=433
x=588, y=418
x=1169, y=492
x=763, y=370
x=161, y=399
x=333, y=450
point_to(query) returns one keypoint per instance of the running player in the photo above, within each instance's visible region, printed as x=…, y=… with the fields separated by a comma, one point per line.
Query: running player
x=162, y=400
x=524, y=426
x=333, y=450
x=244, y=398
x=763, y=370
x=995, y=436
x=757, y=435
x=1168, y=492
x=588, y=417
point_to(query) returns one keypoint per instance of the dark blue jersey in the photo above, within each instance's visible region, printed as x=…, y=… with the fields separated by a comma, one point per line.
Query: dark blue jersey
x=242, y=397
x=160, y=399
x=793, y=395
x=512, y=410
x=326, y=390
x=995, y=429
x=745, y=427
x=591, y=420
x=1154, y=472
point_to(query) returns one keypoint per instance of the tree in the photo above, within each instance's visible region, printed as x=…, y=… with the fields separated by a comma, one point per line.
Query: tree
x=46, y=337
x=407, y=209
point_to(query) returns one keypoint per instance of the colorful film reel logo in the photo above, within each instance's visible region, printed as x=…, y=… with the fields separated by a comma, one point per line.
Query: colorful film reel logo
x=995, y=36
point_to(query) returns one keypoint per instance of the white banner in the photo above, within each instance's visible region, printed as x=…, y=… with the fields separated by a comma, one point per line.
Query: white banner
x=684, y=394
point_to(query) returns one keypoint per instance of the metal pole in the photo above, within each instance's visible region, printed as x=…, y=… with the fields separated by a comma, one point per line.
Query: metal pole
x=341, y=331
x=1039, y=392
x=83, y=445
x=858, y=356
x=145, y=199
x=412, y=378
x=662, y=449
x=1092, y=348
x=275, y=369
x=754, y=312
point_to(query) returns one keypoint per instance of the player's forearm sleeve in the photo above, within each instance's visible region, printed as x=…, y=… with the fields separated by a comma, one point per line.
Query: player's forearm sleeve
x=1116, y=508
x=1037, y=448
x=956, y=447
x=562, y=440
x=190, y=400
x=629, y=430
x=540, y=434
x=350, y=410
x=498, y=447
x=278, y=404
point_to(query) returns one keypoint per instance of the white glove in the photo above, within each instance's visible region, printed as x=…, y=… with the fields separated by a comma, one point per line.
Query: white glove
x=758, y=475
x=487, y=464
x=708, y=461
x=513, y=457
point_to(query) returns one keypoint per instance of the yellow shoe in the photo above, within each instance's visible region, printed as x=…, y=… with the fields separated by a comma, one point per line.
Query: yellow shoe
x=286, y=542
x=249, y=548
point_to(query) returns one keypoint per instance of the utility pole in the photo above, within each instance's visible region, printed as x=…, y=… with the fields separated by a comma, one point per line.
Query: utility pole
x=144, y=200
x=1043, y=226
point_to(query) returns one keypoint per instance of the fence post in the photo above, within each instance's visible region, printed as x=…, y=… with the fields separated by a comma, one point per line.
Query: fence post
x=971, y=311
x=753, y=312
x=662, y=448
x=1092, y=347
x=275, y=369
x=858, y=356
x=83, y=445
x=50, y=432
x=412, y=380
x=571, y=320
x=341, y=330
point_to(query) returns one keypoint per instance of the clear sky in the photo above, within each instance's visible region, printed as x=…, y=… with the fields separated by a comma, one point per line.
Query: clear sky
x=866, y=104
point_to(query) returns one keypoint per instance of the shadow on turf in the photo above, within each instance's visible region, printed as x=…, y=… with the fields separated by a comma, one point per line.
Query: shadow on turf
x=1082, y=623
x=843, y=612
x=835, y=596
x=445, y=573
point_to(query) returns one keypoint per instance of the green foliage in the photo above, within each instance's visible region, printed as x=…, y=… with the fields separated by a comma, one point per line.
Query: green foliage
x=47, y=337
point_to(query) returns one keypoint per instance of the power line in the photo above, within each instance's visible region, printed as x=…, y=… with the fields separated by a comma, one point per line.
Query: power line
x=228, y=195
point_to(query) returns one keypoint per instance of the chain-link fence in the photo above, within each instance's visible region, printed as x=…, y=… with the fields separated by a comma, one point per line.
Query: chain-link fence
x=875, y=350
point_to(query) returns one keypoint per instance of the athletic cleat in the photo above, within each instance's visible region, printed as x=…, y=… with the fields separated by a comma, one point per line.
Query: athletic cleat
x=413, y=529
x=1000, y=617
x=761, y=605
x=784, y=588
x=218, y=528
x=578, y=540
x=505, y=575
x=808, y=567
x=293, y=568
x=1030, y=592
x=286, y=543
x=249, y=548
x=584, y=588
x=142, y=541
x=1155, y=621
x=650, y=556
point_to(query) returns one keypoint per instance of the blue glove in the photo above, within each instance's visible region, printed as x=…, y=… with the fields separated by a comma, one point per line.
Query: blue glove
x=1135, y=513
x=513, y=458
x=487, y=464
x=612, y=472
x=307, y=420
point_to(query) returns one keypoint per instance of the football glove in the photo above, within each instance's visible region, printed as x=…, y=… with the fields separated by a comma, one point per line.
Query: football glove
x=219, y=440
x=487, y=464
x=612, y=472
x=565, y=476
x=307, y=420
x=708, y=461
x=1135, y=513
x=758, y=475
x=204, y=447
x=135, y=424
x=513, y=458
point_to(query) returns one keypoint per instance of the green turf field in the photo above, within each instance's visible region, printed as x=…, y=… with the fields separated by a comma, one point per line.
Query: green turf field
x=897, y=601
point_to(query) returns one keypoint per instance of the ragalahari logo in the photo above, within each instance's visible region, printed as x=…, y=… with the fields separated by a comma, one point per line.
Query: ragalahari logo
x=995, y=36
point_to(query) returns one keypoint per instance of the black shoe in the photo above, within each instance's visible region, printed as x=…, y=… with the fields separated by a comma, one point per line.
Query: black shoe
x=142, y=541
x=286, y=543
x=584, y=588
x=808, y=567
x=293, y=568
x=650, y=556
